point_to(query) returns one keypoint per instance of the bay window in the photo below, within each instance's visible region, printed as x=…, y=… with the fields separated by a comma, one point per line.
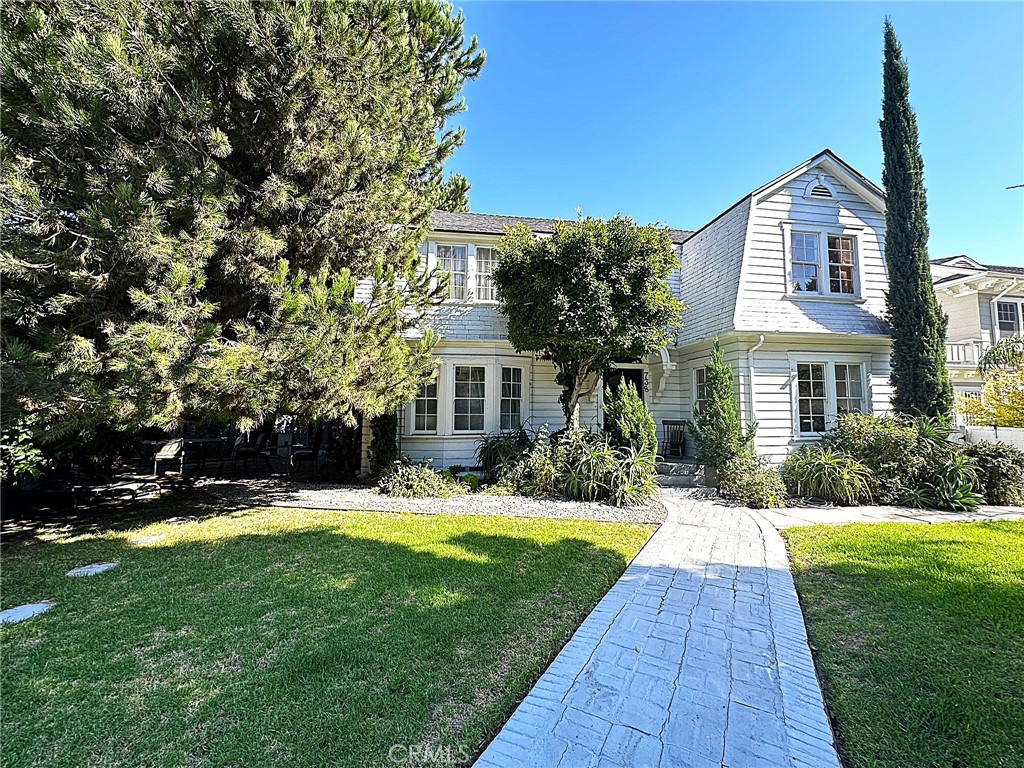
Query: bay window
x=511, y=408
x=425, y=409
x=470, y=396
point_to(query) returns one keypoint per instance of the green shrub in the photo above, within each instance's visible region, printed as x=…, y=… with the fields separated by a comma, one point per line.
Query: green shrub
x=890, y=446
x=471, y=481
x=627, y=422
x=751, y=481
x=503, y=448
x=716, y=429
x=533, y=472
x=1000, y=470
x=383, y=443
x=824, y=472
x=414, y=481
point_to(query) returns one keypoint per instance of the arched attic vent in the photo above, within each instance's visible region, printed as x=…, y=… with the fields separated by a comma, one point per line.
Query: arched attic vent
x=819, y=188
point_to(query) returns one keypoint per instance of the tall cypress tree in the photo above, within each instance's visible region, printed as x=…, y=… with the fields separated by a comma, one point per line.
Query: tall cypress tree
x=919, y=378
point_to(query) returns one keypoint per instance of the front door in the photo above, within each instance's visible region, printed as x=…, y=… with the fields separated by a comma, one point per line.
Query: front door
x=614, y=379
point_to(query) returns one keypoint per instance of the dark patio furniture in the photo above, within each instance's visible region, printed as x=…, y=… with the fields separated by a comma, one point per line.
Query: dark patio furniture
x=674, y=445
x=173, y=450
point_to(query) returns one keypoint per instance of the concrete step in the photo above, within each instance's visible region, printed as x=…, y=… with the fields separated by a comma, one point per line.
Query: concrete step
x=688, y=468
x=679, y=481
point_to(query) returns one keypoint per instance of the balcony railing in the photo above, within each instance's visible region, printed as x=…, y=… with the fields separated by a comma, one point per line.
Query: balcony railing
x=965, y=353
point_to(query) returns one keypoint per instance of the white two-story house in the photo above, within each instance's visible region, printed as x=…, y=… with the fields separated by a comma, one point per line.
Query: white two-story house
x=791, y=279
x=984, y=303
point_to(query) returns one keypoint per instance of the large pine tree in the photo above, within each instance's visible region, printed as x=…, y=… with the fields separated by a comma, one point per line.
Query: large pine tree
x=919, y=378
x=193, y=191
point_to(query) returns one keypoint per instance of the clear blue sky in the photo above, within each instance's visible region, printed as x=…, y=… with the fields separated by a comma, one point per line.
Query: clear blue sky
x=671, y=112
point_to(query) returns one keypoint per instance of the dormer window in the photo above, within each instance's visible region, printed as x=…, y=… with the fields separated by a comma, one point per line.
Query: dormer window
x=819, y=188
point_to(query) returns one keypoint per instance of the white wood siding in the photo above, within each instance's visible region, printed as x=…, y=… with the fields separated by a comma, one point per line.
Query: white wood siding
x=763, y=304
x=775, y=388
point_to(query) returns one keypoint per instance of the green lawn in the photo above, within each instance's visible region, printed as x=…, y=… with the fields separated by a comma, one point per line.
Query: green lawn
x=289, y=637
x=920, y=632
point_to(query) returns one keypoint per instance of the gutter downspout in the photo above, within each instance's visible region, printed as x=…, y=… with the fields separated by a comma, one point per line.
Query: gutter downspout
x=750, y=376
x=993, y=315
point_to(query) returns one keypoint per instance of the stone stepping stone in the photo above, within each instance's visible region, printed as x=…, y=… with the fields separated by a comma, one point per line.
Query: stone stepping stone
x=141, y=541
x=27, y=611
x=91, y=570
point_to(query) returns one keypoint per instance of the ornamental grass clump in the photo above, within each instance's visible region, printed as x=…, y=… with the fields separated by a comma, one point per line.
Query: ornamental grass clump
x=415, y=481
x=817, y=470
x=580, y=466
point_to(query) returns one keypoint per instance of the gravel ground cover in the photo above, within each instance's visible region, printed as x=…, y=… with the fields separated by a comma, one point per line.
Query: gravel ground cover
x=277, y=493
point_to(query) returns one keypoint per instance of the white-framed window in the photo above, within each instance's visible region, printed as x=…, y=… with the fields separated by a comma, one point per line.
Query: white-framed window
x=454, y=259
x=700, y=387
x=821, y=261
x=1008, y=317
x=826, y=389
x=510, y=415
x=805, y=262
x=486, y=259
x=810, y=397
x=425, y=409
x=470, y=397
x=841, y=264
x=849, y=388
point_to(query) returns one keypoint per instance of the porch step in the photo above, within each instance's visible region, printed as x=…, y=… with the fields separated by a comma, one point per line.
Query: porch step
x=677, y=467
x=679, y=474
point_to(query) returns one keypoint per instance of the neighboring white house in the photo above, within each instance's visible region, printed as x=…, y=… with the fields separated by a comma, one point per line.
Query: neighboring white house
x=985, y=303
x=791, y=280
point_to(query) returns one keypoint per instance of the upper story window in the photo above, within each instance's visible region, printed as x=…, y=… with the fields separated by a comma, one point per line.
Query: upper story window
x=1008, y=317
x=821, y=263
x=468, y=404
x=486, y=258
x=840, y=264
x=805, y=262
x=454, y=259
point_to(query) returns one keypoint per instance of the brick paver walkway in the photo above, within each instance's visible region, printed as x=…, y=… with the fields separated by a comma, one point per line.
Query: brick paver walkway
x=696, y=657
x=792, y=516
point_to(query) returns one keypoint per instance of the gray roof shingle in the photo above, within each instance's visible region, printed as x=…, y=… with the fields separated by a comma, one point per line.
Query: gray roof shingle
x=493, y=224
x=1003, y=268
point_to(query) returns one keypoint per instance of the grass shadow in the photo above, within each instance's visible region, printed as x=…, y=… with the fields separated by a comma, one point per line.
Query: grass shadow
x=291, y=638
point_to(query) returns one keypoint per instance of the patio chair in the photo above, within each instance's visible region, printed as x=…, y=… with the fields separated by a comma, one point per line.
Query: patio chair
x=173, y=450
x=675, y=438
